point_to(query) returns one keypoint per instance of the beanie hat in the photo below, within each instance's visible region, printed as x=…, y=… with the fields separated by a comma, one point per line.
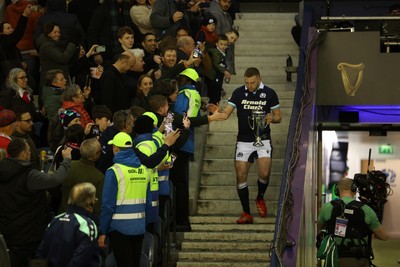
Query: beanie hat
x=208, y=19
x=6, y=117
x=121, y=139
x=144, y=124
x=67, y=116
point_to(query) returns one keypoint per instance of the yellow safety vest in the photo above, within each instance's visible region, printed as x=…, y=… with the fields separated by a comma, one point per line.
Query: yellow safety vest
x=132, y=190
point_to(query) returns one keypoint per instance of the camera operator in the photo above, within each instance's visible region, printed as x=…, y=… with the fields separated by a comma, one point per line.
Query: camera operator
x=350, y=222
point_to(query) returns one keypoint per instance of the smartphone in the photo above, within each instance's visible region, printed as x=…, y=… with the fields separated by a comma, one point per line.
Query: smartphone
x=170, y=117
x=100, y=48
x=88, y=81
x=173, y=158
x=94, y=130
x=197, y=53
x=168, y=123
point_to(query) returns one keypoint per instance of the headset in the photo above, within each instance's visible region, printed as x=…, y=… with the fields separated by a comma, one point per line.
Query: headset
x=353, y=188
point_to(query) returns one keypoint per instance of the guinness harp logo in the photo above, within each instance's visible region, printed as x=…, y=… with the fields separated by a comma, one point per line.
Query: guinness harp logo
x=352, y=75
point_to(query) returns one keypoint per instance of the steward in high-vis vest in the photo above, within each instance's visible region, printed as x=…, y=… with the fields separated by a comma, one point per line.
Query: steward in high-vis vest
x=123, y=206
x=187, y=102
x=348, y=223
x=163, y=175
x=144, y=142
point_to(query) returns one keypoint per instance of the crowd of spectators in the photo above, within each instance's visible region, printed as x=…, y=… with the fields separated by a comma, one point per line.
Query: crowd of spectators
x=74, y=76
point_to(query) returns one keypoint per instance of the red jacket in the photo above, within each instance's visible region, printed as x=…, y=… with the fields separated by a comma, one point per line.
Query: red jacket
x=12, y=14
x=85, y=118
x=4, y=141
x=210, y=37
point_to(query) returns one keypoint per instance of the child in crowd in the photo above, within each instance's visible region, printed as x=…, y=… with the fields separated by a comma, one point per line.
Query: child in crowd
x=214, y=78
x=207, y=31
x=233, y=36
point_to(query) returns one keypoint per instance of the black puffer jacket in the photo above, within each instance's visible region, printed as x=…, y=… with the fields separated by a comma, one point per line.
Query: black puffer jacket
x=23, y=209
x=71, y=29
x=23, y=212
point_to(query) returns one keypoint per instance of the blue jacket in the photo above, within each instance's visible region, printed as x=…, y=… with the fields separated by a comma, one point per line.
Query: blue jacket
x=183, y=104
x=70, y=240
x=125, y=157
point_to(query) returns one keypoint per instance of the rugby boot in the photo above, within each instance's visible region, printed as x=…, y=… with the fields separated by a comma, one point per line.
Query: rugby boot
x=261, y=208
x=246, y=218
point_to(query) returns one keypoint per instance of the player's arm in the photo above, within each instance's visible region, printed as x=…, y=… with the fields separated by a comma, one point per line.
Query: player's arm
x=276, y=115
x=228, y=110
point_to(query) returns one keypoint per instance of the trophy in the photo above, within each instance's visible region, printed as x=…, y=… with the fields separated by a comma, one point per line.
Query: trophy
x=257, y=124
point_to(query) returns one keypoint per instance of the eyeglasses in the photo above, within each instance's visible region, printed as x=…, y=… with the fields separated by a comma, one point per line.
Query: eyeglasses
x=23, y=78
x=27, y=120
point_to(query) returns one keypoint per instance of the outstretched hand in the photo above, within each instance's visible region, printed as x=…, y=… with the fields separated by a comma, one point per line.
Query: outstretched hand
x=212, y=107
x=218, y=116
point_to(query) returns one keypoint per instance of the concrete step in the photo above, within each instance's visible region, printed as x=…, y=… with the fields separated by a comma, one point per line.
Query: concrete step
x=230, y=207
x=224, y=219
x=229, y=178
x=225, y=246
x=227, y=138
x=247, y=235
x=226, y=263
x=265, y=29
x=268, y=40
x=275, y=60
x=248, y=36
x=225, y=192
x=210, y=165
x=264, y=50
x=265, y=16
x=279, y=23
x=231, y=256
x=231, y=227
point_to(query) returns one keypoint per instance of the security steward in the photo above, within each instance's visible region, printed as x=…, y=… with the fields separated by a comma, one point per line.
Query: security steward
x=350, y=222
x=123, y=206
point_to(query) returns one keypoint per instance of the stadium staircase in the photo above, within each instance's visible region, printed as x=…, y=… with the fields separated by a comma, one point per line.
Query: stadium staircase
x=216, y=240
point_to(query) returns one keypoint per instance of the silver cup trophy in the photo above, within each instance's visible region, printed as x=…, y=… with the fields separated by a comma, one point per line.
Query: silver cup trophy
x=257, y=124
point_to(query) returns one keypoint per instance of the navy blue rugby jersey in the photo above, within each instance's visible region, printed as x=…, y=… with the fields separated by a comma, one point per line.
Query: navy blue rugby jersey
x=264, y=98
